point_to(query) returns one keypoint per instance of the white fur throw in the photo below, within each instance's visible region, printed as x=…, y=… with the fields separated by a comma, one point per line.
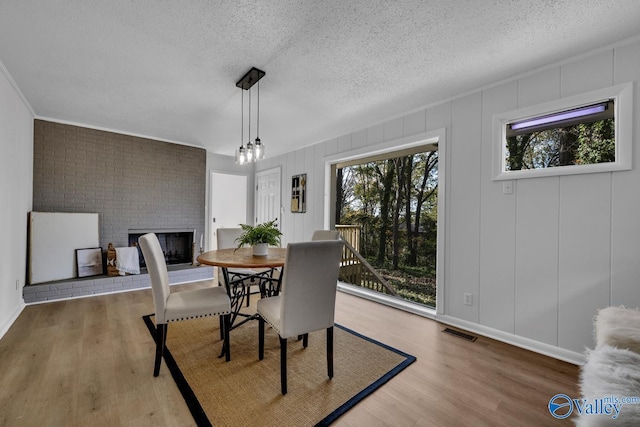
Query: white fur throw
x=618, y=327
x=610, y=371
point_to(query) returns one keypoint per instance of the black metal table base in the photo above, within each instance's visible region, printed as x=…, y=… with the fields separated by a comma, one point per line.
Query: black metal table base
x=239, y=290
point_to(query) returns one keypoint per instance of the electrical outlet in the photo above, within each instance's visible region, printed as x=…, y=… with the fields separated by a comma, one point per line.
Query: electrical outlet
x=468, y=299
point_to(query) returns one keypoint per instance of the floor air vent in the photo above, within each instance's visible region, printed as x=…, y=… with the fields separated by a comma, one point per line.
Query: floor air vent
x=460, y=334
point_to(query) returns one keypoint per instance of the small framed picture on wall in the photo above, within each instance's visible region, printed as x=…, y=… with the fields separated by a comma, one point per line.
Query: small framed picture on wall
x=299, y=193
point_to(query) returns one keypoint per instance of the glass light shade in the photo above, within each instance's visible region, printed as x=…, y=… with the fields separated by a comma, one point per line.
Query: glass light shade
x=241, y=156
x=249, y=152
x=258, y=149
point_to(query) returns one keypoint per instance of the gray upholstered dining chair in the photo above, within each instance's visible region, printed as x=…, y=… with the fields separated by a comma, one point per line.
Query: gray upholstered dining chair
x=181, y=305
x=325, y=235
x=307, y=299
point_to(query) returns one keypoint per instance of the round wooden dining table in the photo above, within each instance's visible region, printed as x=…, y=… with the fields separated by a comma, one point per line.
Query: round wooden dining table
x=243, y=258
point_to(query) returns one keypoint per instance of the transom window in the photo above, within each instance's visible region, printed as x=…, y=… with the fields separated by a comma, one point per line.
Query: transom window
x=580, y=136
x=587, y=133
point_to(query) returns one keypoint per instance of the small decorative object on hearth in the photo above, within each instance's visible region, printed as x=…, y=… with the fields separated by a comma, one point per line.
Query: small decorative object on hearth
x=89, y=262
x=260, y=237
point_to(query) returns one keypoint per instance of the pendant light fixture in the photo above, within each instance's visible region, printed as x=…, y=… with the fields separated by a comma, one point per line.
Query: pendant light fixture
x=253, y=151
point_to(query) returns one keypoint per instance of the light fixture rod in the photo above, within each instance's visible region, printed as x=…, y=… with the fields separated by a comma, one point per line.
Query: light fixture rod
x=242, y=121
x=258, y=118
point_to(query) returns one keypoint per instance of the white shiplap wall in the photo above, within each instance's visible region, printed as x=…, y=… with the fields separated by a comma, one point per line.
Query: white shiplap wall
x=540, y=261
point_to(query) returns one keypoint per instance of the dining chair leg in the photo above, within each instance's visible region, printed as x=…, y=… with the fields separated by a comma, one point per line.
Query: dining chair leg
x=221, y=328
x=260, y=338
x=330, y=351
x=161, y=338
x=305, y=340
x=283, y=365
x=226, y=320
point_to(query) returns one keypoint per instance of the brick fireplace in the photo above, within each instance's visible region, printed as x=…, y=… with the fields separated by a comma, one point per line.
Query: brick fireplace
x=132, y=183
x=177, y=245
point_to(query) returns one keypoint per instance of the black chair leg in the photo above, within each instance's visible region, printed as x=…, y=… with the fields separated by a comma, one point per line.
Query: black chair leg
x=260, y=338
x=161, y=339
x=330, y=351
x=221, y=328
x=305, y=340
x=226, y=321
x=283, y=365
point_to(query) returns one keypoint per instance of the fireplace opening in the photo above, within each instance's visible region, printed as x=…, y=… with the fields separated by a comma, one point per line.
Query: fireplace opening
x=176, y=245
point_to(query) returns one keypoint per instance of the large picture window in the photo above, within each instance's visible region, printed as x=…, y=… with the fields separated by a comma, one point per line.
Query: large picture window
x=586, y=133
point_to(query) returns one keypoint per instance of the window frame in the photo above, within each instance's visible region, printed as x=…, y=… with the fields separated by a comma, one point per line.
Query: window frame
x=623, y=116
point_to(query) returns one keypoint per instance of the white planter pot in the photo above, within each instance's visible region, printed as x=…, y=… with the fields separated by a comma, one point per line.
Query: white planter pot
x=261, y=249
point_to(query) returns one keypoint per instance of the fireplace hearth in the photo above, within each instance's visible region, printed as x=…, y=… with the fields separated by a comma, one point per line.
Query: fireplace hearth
x=176, y=244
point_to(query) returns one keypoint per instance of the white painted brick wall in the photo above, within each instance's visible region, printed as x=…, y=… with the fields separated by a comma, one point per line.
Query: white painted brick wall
x=131, y=182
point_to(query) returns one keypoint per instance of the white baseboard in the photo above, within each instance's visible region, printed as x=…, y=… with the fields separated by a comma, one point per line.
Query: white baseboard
x=7, y=324
x=518, y=341
x=515, y=340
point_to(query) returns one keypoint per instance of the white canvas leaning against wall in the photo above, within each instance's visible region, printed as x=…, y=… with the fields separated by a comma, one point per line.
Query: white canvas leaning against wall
x=53, y=240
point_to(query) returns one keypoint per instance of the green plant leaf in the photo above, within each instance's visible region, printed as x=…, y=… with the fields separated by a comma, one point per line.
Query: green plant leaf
x=266, y=232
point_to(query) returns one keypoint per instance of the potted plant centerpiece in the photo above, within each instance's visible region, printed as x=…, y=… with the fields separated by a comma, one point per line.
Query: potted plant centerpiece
x=260, y=237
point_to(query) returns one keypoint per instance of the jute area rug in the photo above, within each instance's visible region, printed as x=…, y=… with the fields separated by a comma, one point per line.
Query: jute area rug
x=246, y=391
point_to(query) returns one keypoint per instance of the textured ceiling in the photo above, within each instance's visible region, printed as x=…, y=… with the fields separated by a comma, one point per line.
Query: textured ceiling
x=167, y=68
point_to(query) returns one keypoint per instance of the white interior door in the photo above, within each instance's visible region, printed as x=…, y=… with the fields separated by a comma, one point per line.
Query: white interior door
x=228, y=203
x=267, y=201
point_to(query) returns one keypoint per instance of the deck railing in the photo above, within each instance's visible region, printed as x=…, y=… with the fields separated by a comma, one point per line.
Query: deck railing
x=350, y=234
x=356, y=270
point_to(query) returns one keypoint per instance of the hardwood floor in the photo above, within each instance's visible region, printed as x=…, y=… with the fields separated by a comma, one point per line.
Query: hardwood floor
x=90, y=361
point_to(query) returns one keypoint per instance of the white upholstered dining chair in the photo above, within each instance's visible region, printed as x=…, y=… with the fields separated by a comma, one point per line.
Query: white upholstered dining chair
x=226, y=239
x=325, y=235
x=307, y=299
x=181, y=305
